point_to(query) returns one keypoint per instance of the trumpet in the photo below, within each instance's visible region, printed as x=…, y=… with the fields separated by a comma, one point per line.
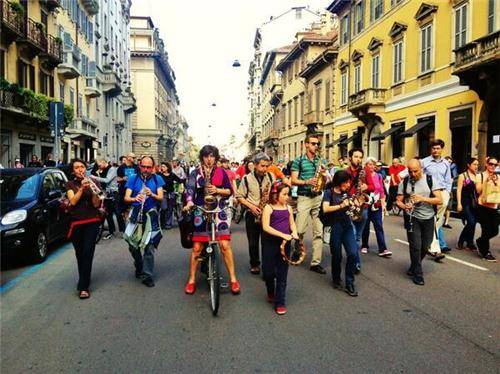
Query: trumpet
x=95, y=188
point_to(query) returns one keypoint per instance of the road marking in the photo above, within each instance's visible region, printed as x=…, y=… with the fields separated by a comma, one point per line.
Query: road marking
x=453, y=259
x=7, y=286
x=466, y=263
x=372, y=231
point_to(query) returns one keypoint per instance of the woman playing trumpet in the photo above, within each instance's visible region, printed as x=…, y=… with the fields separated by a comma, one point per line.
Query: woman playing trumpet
x=85, y=222
x=209, y=181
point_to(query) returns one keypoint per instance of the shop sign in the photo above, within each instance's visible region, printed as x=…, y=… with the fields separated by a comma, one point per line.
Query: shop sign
x=46, y=139
x=461, y=118
x=26, y=136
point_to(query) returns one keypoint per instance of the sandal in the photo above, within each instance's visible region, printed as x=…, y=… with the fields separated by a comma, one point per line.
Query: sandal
x=235, y=288
x=84, y=294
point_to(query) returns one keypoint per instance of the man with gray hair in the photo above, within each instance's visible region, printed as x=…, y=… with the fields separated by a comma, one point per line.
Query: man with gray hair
x=252, y=193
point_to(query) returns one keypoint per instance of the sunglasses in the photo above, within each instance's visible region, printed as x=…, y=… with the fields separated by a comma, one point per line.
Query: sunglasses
x=493, y=163
x=314, y=143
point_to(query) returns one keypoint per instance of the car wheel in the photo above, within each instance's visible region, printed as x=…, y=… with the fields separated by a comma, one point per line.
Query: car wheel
x=40, y=247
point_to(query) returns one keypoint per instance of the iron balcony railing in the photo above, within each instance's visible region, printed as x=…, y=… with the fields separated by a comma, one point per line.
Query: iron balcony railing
x=11, y=18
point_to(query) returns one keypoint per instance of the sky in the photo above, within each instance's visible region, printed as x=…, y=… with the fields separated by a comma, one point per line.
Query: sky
x=202, y=39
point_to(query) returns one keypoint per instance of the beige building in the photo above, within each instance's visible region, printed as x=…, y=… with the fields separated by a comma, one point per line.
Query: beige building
x=157, y=119
x=44, y=57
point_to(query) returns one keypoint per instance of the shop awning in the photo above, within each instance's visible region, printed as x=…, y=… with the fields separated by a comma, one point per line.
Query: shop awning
x=387, y=133
x=348, y=140
x=337, y=141
x=413, y=130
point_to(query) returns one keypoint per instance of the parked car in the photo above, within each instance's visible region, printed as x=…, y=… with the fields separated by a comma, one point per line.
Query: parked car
x=30, y=210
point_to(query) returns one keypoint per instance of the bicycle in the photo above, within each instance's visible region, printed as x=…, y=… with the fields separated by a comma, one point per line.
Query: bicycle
x=211, y=254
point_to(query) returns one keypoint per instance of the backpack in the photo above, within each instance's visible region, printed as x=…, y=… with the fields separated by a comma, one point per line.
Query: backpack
x=429, y=183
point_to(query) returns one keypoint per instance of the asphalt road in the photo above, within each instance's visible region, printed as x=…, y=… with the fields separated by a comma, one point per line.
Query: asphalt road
x=449, y=325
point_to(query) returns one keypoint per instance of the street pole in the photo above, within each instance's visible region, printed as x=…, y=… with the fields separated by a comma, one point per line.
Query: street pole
x=57, y=139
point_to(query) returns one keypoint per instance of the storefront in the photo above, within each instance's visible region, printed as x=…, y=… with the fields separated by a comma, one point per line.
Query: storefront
x=424, y=130
x=461, y=136
x=392, y=137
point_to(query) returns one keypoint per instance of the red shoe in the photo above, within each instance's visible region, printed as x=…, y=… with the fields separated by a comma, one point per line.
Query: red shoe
x=280, y=310
x=235, y=288
x=190, y=288
x=270, y=298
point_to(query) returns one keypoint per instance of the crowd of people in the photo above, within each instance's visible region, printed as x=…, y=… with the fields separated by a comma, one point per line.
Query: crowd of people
x=279, y=204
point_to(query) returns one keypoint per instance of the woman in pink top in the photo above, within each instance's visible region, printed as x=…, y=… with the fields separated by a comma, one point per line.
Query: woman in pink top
x=375, y=209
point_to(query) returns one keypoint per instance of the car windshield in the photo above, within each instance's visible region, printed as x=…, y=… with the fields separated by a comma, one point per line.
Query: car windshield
x=18, y=186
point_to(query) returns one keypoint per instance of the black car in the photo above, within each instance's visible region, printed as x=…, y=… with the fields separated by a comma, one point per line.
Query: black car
x=30, y=210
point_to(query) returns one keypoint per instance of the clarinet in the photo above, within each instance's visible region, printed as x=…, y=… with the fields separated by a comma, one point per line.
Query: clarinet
x=140, y=216
x=410, y=213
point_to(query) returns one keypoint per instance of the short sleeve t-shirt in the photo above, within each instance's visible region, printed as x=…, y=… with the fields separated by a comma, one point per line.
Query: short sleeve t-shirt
x=126, y=171
x=335, y=198
x=306, y=169
x=421, y=210
x=136, y=182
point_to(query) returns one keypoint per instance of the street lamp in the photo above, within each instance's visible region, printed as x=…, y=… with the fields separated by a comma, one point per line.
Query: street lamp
x=236, y=64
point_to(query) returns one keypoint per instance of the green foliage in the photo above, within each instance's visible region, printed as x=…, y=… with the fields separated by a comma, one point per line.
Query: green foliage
x=17, y=7
x=15, y=88
x=69, y=113
x=4, y=83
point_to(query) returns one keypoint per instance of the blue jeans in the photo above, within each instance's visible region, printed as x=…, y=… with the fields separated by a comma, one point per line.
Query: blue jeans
x=358, y=232
x=342, y=234
x=376, y=218
x=144, y=263
x=467, y=235
x=167, y=211
x=442, y=241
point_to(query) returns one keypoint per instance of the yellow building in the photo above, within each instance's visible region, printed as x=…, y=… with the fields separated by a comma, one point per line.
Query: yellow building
x=153, y=82
x=395, y=89
x=305, y=81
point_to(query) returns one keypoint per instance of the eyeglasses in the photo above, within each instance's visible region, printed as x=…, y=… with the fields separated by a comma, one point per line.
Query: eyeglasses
x=147, y=167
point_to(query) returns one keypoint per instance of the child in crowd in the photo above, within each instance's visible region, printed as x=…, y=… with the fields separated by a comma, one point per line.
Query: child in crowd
x=278, y=225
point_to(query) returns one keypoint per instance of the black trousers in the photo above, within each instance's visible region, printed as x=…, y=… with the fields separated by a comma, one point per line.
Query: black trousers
x=420, y=241
x=254, y=231
x=274, y=268
x=488, y=219
x=393, y=191
x=111, y=205
x=83, y=239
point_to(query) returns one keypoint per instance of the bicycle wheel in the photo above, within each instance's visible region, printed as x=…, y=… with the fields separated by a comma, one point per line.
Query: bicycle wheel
x=213, y=278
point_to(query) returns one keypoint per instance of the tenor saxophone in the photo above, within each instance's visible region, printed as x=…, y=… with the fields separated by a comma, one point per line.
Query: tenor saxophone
x=320, y=176
x=264, y=199
x=358, y=199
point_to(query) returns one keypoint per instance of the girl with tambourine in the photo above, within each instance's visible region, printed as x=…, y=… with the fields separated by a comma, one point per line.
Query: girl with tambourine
x=278, y=225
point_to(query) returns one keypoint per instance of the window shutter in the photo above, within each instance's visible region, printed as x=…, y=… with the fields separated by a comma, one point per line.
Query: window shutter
x=92, y=69
x=68, y=43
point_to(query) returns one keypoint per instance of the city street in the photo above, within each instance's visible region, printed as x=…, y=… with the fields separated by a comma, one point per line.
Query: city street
x=449, y=325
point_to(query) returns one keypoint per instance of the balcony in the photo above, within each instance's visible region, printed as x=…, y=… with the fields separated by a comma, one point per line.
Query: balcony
x=70, y=67
x=482, y=51
x=83, y=126
x=314, y=117
x=111, y=83
x=276, y=95
x=53, y=55
x=91, y=89
x=34, y=41
x=129, y=102
x=370, y=101
x=91, y=7
x=51, y=5
x=12, y=22
x=23, y=109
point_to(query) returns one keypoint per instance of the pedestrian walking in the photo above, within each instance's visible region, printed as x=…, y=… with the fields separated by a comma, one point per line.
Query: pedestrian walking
x=467, y=204
x=85, y=221
x=439, y=168
x=125, y=171
x=168, y=203
x=35, y=162
x=488, y=189
x=394, y=170
x=418, y=194
x=278, y=225
x=143, y=234
x=335, y=205
x=49, y=162
x=253, y=193
x=375, y=209
x=303, y=172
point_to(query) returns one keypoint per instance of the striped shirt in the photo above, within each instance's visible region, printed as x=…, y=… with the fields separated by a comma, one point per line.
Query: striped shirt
x=306, y=169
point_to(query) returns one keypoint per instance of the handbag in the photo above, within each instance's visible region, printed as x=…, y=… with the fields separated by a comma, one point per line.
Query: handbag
x=491, y=191
x=186, y=229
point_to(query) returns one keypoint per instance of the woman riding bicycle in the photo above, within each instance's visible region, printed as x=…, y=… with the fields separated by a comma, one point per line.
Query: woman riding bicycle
x=208, y=179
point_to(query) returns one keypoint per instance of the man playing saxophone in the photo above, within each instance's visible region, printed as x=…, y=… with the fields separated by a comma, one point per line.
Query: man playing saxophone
x=253, y=193
x=144, y=191
x=305, y=175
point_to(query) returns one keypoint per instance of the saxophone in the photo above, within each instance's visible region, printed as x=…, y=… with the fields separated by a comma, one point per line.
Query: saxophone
x=320, y=176
x=358, y=199
x=264, y=199
x=209, y=200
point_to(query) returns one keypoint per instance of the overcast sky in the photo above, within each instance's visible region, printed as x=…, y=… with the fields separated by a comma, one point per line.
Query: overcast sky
x=202, y=39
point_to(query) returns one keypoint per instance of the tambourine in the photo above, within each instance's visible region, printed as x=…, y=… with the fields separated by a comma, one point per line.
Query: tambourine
x=297, y=252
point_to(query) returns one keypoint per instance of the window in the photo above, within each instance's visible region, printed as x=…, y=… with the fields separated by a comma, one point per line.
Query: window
x=295, y=109
x=302, y=103
x=44, y=83
x=72, y=96
x=376, y=9
x=344, y=29
x=357, y=78
x=289, y=105
x=376, y=71
x=461, y=25
x=359, y=16
x=80, y=106
x=395, y=2
x=398, y=62
x=327, y=95
x=425, y=48
x=343, y=91
x=317, y=89
x=491, y=16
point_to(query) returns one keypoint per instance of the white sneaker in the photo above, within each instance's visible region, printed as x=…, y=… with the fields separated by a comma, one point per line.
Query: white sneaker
x=364, y=250
x=385, y=253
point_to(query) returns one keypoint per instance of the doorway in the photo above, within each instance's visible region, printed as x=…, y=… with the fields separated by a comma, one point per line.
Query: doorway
x=425, y=136
x=461, y=136
x=26, y=151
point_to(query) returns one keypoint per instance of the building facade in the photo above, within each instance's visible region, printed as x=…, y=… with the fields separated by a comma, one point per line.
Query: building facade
x=397, y=85
x=275, y=33
x=157, y=120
